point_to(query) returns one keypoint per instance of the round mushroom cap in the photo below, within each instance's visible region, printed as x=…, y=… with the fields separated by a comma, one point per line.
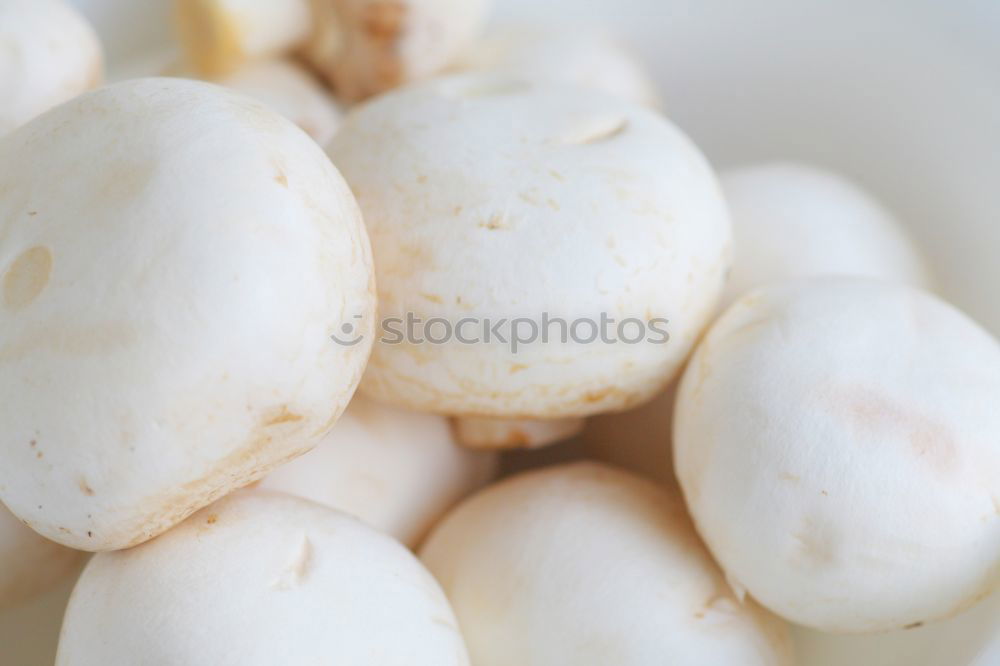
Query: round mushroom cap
x=48, y=55
x=837, y=443
x=798, y=221
x=489, y=200
x=261, y=579
x=586, y=565
x=366, y=47
x=582, y=56
x=174, y=260
x=397, y=471
x=29, y=563
x=293, y=92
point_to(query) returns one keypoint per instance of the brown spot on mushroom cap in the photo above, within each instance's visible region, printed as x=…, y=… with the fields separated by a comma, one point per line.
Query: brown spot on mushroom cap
x=27, y=277
x=85, y=487
x=281, y=415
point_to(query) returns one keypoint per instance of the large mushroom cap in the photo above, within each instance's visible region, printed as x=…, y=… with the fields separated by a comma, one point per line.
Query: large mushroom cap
x=398, y=471
x=29, y=563
x=173, y=261
x=586, y=565
x=496, y=199
x=797, y=221
x=260, y=579
x=837, y=443
x=48, y=54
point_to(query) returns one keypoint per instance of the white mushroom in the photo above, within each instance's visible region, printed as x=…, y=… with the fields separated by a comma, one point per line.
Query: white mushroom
x=29, y=563
x=48, y=54
x=365, y=47
x=789, y=221
x=582, y=56
x=287, y=88
x=586, y=565
x=795, y=221
x=397, y=471
x=173, y=260
x=261, y=579
x=490, y=200
x=218, y=36
x=836, y=440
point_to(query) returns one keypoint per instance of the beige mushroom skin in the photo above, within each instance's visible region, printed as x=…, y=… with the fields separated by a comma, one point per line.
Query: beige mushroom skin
x=836, y=442
x=219, y=36
x=48, y=54
x=498, y=199
x=365, y=47
x=397, y=471
x=261, y=579
x=585, y=565
x=29, y=563
x=174, y=258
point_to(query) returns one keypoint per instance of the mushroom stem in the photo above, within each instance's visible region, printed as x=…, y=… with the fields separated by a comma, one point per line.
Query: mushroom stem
x=220, y=35
x=480, y=433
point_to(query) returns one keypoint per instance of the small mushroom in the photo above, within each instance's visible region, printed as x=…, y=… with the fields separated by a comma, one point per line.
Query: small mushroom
x=573, y=244
x=365, y=47
x=836, y=441
x=29, y=564
x=583, y=564
x=260, y=579
x=289, y=89
x=174, y=260
x=219, y=36
x=48, y=55
x=397, y=471
x=796, y=221
x=583, y=56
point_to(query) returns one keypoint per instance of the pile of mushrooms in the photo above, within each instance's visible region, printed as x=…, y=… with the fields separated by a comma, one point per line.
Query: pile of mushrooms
x=267, y=334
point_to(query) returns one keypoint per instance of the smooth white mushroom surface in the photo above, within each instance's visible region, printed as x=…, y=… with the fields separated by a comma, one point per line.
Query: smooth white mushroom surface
x=29, y=563
x=219, y=36
x=797, y=221
x=365, y=47
x=837, y=443
x=490, y=200
x=261, y=579
x=293, y=92
x=398, y=471
x=48, y=54
x=174, y=258
x=577, y=55
x=586, y=565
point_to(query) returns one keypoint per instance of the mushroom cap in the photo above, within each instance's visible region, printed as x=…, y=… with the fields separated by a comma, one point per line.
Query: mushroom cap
x=496, y=198
x=836, y=441
x=29, y=563
x=174, y=258
x=797, y=221
x=365, y=47
x=583, y=564
x=261, y=579
x=293, y=92
x=397, y=471
x=48, y=55
x=584, y=56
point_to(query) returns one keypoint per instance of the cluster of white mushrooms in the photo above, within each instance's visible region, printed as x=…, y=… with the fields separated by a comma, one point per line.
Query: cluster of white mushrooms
x=195, y=278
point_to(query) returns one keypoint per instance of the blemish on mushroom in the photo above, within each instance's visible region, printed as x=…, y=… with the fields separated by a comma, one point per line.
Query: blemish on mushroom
x=595, y=130
x=27, y=277
x=496, y=222
x=212, y=519
x=85, y=487
x=281, y=415
x=297, y=569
